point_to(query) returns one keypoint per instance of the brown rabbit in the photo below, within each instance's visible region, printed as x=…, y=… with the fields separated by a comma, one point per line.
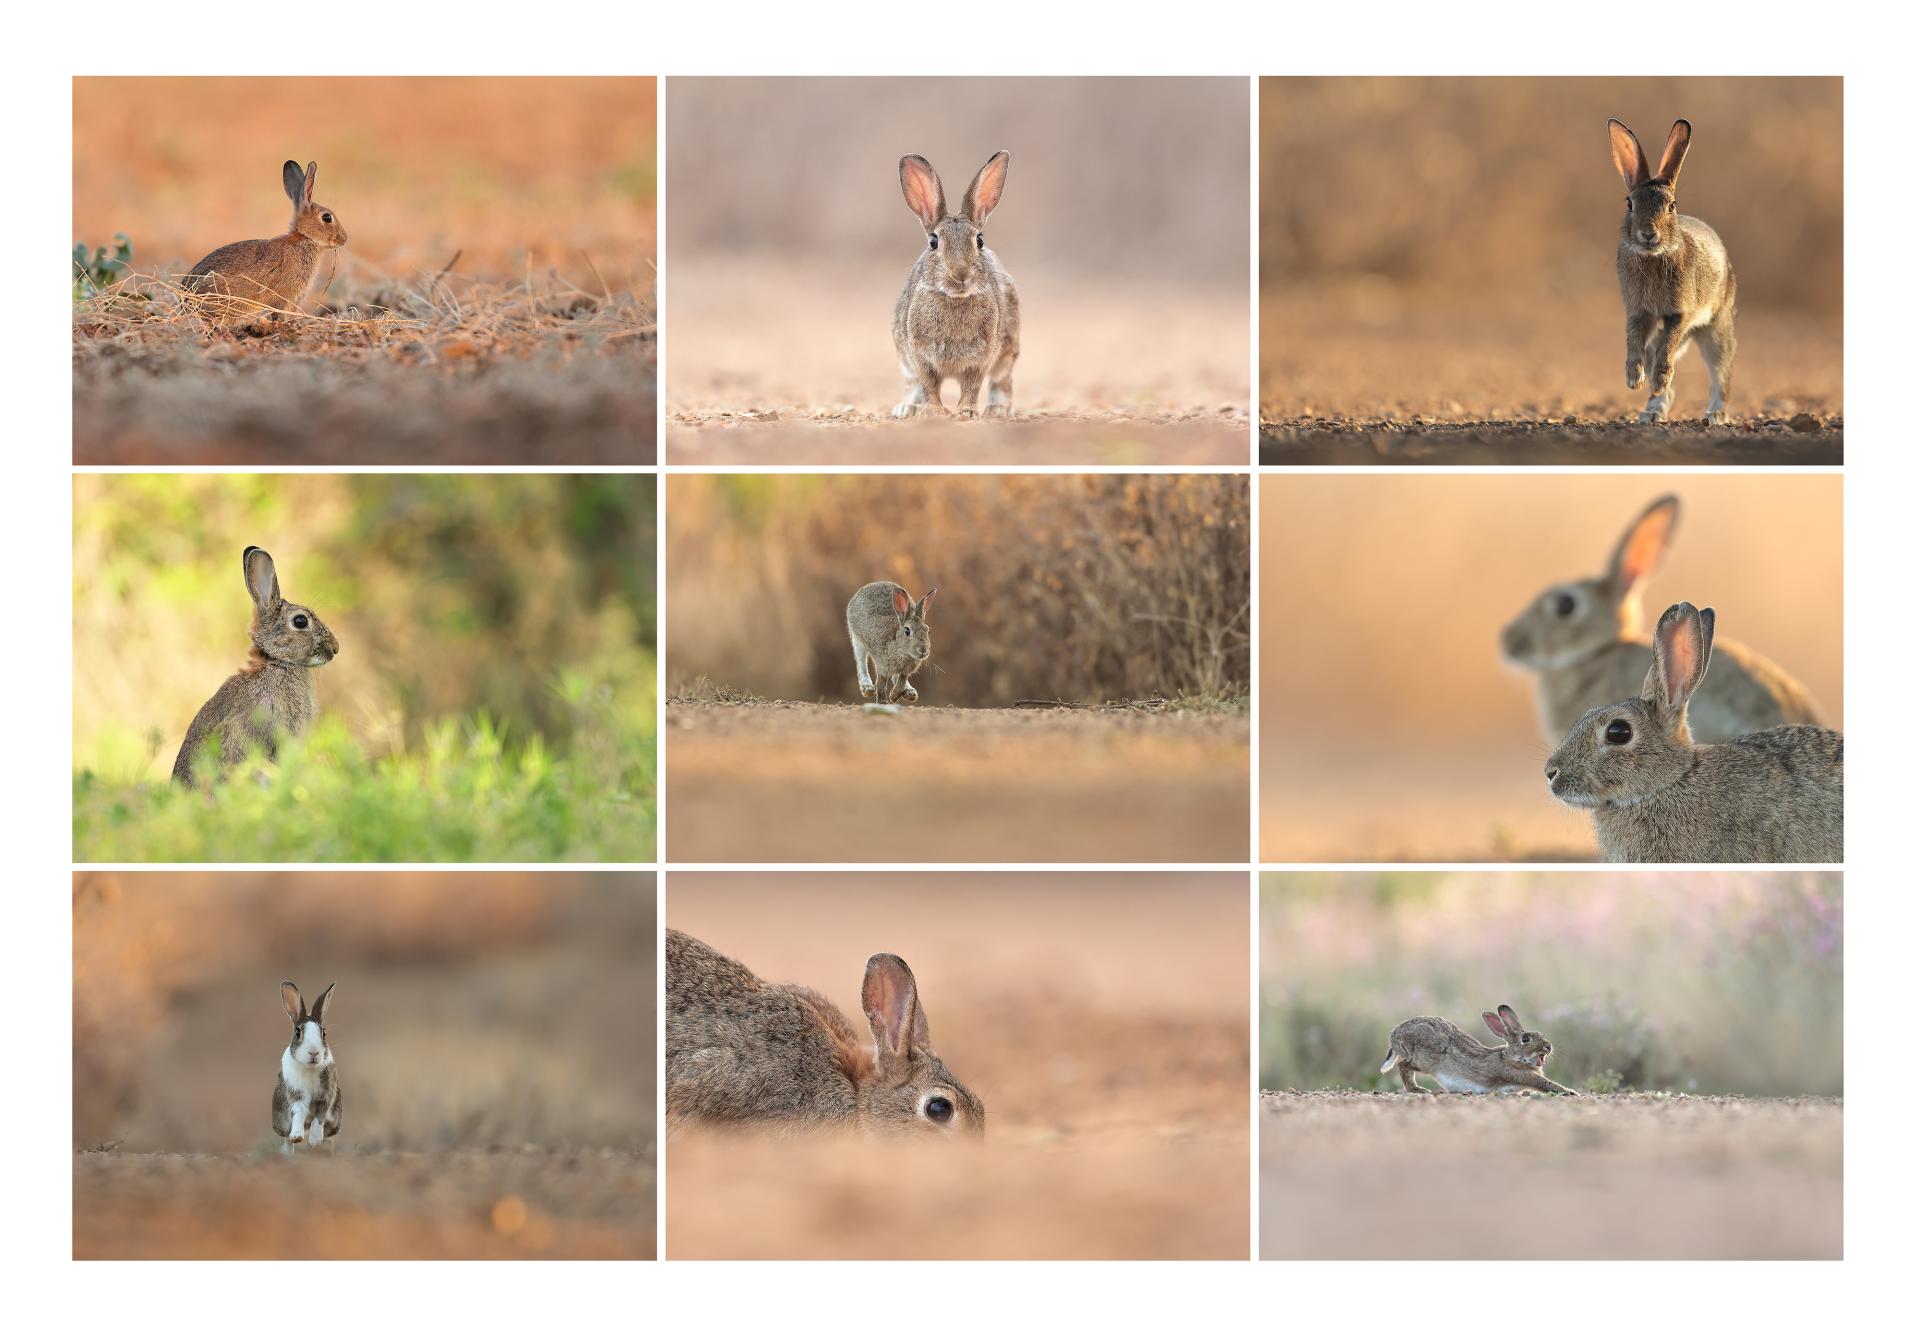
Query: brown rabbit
x=1459, y=1063
x=275, y=273
x=272, y=695
x=743, y=1052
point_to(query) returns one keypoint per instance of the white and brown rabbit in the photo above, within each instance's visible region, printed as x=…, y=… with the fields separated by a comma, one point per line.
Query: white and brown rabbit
x=272, y=695
x=306, y=1100
x=890, y=638
x=275, y=273
x=1676, y=280
x=1655, y=796
x=743, y=1052
x=959, y=317
x=1584, y=641
x=1459, y=1063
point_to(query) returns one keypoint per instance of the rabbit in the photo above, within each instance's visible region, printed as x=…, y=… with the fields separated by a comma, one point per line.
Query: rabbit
x=1655, y=796
x=1583, y=641
x=890, y=640
x=272, y=694
x=958, y=317
x=275, y=273
x=1676, y=280
x=741, y=1052
x=306, y=1100
x=1459, y=1063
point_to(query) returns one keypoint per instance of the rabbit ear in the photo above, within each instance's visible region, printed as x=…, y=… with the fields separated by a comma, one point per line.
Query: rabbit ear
x=263, y=584
x=293, y=182
x=1682, y=647
x=1644, y=544
x=902, y=603
x=983, y=196
x=921, y=609
x=320, y=1004
x=1675, y=152
x=892, y=1005
x=1510, y=1019
x=1494, y=1024
x=1628, y=160
x=921, y=184
x=290, y=1000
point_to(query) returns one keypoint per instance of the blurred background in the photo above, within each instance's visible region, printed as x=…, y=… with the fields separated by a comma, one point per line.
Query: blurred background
x=1124, y=223
x=475, y=1014
x=1446, y=246
x=1101, y=1018
x=495, y=300
x=515, y=173
x=1713, y=983
x=1391, y=729
x=1083, y=588
x=480, y=618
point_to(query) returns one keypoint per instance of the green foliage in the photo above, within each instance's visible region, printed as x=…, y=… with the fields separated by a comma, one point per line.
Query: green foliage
x=469, y=791
x=94, y=274
x=1603, y=1083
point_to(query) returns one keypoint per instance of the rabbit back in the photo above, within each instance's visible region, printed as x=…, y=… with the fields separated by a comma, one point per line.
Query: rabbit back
x=275, y=272
x=250, y=710
x=741, y=1051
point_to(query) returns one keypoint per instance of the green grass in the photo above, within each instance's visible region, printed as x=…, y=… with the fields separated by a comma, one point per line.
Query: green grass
x=466, y=792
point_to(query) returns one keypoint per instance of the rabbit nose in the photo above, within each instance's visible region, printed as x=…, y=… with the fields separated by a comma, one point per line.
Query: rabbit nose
x=1553, y=774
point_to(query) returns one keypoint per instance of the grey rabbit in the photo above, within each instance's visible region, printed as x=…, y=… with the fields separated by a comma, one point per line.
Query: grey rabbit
x=306, y=1100
x=743, y=1052
x=891, y=641
x=1655, y=796
x=1459, y=1063
x=275, y=273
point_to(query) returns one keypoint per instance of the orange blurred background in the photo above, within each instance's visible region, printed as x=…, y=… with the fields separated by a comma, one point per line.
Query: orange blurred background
x=1390, y=728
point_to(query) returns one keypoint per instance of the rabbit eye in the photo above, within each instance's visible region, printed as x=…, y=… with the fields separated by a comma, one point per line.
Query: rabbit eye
x=1563, y=605
x=299, y=622
x=980, y=239
x=938, y=1108
x=326, y=217
x=933, y=242
x=1618, y=732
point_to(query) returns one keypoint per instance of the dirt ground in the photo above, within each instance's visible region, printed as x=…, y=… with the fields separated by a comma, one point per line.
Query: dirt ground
x=813, y=781
x=503, y=1203
x=1421, y=390
x=1630, y=1176
x=812, y=378
x=1100, y=1018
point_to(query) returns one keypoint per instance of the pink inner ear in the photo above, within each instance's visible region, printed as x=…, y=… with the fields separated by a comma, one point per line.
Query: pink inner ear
x=1493, y=1022
x=901, y=603
x=889, y=1000
x=922, y=195
x=1680, y=658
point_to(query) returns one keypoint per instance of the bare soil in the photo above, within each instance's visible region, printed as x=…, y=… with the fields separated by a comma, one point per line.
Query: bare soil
x=338, y=1203
x=814, y=782
x=1347, y=1174
x=1771, y=441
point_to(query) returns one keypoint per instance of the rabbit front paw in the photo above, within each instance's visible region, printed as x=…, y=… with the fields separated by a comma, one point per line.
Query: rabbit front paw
x=1636, y=374
x=906, y=409
x=909, y=693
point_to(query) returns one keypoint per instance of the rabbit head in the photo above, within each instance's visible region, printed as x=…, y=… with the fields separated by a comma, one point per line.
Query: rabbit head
x=908, y=1088
x=1618, y=755
x=1525, y=1049
x=1652, y=222
x=308, y=1044
x=956, y=240
x=315, y=221
x=913, y=638
x=1572, y=620
x=283, y=632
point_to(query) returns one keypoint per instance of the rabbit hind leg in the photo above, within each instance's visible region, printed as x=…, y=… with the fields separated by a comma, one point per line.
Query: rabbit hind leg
x=1000, y=385
x=860, y=665
x=1716, y=349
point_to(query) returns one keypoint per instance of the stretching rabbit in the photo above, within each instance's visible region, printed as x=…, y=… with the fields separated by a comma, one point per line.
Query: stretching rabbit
x=306, y=1100
x=741, y=1051
x=1777, y=795
x=958, y=317
x=1583, y=640
x=890, y=639
x=272, y=695
x=1459, y=1063
x=276, y=272
x=1675, y=278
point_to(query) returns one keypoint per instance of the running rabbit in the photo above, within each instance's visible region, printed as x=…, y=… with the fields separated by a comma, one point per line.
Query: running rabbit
x=272, y=695
x=1459, y=1063
x=275, y=273
x=1675, y=278
x=890, y=639
x=741, y=1051
x=958, y=317
x=1583, y=640
x=306, y=1100
x=1655, y=796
